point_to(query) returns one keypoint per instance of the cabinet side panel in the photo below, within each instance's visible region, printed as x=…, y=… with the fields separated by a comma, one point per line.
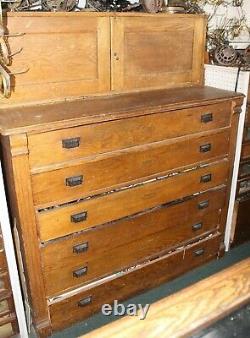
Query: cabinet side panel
x=22, y=212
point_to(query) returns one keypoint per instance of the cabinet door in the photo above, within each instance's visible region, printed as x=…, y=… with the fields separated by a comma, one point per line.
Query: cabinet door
x=62, y=54
x=157, y=51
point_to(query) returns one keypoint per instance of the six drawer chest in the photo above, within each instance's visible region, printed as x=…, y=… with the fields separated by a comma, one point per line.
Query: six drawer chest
x=116, y=192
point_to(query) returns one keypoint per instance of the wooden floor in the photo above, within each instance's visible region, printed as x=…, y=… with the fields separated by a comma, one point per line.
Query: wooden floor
x=188, y=310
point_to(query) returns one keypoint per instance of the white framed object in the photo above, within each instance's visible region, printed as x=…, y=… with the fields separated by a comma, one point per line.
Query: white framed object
x=226, y=78
x=11, y=260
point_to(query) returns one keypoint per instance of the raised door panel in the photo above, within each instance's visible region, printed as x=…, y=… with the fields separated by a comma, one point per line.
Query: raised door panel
x=157, y=51
x=60, y=55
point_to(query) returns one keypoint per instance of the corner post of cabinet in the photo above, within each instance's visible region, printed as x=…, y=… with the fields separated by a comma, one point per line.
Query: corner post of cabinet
x=231, y=186
x=19, y=191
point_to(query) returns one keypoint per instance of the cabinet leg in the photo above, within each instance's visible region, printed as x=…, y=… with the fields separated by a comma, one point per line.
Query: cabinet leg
x=44, y=329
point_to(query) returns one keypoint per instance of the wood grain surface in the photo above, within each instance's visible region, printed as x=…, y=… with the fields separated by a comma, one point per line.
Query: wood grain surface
x=77, y=57
x=132, y=282
x=124, y=134
x=69, y=113
x=104, y=172
x=245, y=153
x=58, y=222
x=179, y=57
x=190, y=309
x=74, y=57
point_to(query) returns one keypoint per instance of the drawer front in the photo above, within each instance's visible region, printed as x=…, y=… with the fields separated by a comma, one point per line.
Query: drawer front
x=95, y=242
x=245, y=153
x=86, y=303
x=247, y=121
x=244, y=187
x=80, y=271
x=244, y=169
x=120, y=168
x=72, y=218
x=4, y=282
x=246, y=134
x=70, y=265
x=3, y=263
x=67, y=144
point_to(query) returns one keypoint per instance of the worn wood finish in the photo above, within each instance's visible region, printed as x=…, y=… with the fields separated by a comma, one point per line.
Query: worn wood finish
x=246, y=135
x=60, y=278
x=76, y=56
x=64, y=56
x=58, y=222
x=102, y=173
x=3, y=263
x=242, y=233
x=23, y=216
x=235, y=111
x=123, y=134
x=132, y=222
x=153, y=232
x=142, y=278
x=179, y=215
x=244, y=169
x=245, y=153
x=70, y=113
x=189, y=310
x=177, y=62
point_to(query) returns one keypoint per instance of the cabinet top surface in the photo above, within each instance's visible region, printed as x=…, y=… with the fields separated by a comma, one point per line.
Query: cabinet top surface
x=95, y=14
x=69, y=113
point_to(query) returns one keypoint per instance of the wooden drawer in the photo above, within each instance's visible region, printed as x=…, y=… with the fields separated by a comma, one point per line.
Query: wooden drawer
x=104, y=172
x=3, y=263
x=244, y=186
x=244, y=169
x=124, y=243
x=247, y=121
x=6, y=304
x=85, y=303
x=246, y=134
x=245, y=152
x=4, y=282
x=60, y=221
x=242, y=230
x=69, y=144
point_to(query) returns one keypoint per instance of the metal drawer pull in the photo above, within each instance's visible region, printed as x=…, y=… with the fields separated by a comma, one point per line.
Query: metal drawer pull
x=205, y=148
x=205, y=118
x=197, y=226
x=70, y=143
x=81, y=247
x=74, y=181
x=82, y=216
x=203, y=205
x=80, y=272
x=85, y=301
x=206, y=178
x=199, y=252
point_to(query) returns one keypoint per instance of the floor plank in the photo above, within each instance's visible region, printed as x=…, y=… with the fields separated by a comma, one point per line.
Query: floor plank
x=190, y=309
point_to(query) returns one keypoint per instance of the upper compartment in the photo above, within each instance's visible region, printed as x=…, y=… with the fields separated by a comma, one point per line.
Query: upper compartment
x=65, y=55
x=159, y=51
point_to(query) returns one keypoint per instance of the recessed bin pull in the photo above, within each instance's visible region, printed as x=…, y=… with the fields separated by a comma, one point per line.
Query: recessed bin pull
x=70, y=143
x=74, y=181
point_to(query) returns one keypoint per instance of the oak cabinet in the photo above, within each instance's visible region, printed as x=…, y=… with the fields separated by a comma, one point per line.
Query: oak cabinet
x=157, y=51
x=117, y=193
x=59, y=56
x=110, y=200
x=65, y=55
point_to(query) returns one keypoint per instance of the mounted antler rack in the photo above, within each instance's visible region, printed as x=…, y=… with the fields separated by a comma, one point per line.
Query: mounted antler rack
x=6, y=59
